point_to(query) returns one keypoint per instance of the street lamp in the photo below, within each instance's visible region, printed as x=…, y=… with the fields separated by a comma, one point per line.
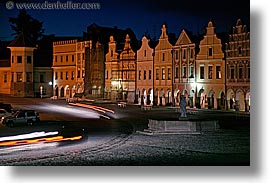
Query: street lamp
x=41, y=91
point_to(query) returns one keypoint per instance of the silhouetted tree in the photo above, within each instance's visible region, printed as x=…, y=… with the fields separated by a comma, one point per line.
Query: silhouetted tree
x=25, y=23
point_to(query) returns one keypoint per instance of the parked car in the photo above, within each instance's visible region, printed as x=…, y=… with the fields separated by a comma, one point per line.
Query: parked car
x=4, y=113
x=7, y=107
x=28, y=117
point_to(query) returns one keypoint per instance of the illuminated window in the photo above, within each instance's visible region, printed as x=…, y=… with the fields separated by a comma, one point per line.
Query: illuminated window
x=157, y=74
x=19, y=59
x=218, y=72
x=169, y=73
x=19, y=76
x=201, y=72
x=163, y=74
x=210, y=72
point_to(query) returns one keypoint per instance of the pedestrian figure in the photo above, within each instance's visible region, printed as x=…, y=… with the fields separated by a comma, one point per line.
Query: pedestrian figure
x=182, y=106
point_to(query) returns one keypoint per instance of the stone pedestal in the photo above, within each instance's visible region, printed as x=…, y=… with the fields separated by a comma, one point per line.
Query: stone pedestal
x=179, y=127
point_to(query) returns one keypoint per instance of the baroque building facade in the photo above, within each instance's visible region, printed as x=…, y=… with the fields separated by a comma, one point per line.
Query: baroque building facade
x=184, y=69
x=144, y=79
x=210, y=74
x=238, y=68
x=163, y=70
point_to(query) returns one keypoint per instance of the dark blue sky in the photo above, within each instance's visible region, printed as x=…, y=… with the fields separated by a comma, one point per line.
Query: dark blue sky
x=140, y=16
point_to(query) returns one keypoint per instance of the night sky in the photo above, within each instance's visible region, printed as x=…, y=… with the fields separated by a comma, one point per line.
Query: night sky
x=141, y=16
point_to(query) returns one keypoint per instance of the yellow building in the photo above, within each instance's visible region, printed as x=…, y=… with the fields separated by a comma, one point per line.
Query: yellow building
x=112, y=79
x=238, y=68
x=210, y=74
x=163, y=70
x=68, y=68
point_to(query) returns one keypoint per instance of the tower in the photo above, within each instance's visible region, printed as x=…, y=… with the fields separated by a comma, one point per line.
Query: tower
x=21, y=60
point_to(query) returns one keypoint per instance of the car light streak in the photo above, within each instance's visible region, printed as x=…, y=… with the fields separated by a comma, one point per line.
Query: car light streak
x=33, y=141
x=97, y=108
x=28, y=136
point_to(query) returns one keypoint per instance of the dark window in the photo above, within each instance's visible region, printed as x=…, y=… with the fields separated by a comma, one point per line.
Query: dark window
x=210, y=51
x=184, y=54
x=191, y=72
x=55, y=58
x=29, y=77
x=67, y=58
x=163, y=56
x=78, y=74
x=232, y=72
x=201, y=72
x=144, y=53
x=67, y=76
x=184, y=72
x=177, y=54
x=144, y=76
x=29, y=59
x=150, y=74
x=139, y=75
x=56, y=76
x=72, y=58
x=61, y=75
x=240, y=72
x=61, y=58
x=177, y=72
x=42, y=78
x=19, y=59
x=12, y=59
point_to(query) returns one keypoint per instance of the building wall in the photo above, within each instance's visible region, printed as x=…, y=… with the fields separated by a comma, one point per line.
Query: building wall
x=64, y=68
x=112, y=78
x=22, y=71
x=145, y=70
x=184, y=69
x=163, y=70
x=5, y=80
x=127, y=72
x=210, y=74
x=43, y=77
x=238, y=68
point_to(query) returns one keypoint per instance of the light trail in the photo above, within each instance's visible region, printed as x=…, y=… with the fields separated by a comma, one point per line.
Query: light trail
x=34, y=141
x=28, y=136
x=97, y=108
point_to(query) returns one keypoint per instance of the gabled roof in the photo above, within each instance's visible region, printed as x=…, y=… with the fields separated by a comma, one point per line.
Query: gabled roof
x=183, y=39
x=21, y=41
